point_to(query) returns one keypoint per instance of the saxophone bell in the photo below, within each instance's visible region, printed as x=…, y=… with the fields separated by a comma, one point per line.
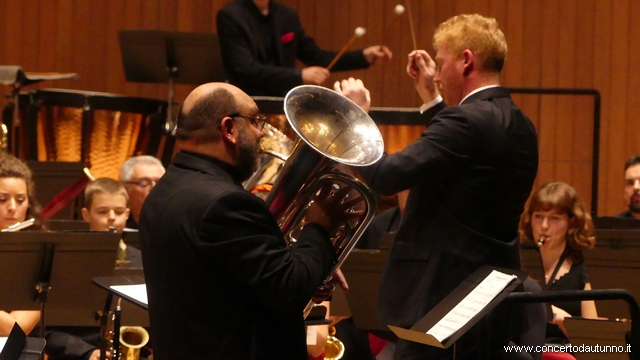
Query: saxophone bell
x=334, y=348
x=132, y=339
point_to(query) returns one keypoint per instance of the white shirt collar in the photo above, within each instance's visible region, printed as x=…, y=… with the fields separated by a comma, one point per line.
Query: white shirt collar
x=477, y=90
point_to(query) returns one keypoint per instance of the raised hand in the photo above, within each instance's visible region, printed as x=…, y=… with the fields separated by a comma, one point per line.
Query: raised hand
x=354, y=90
x=422, y=69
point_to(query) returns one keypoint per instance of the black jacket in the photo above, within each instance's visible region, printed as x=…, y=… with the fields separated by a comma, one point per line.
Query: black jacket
x=244, y=54
x=470, y=174
x=221, y=282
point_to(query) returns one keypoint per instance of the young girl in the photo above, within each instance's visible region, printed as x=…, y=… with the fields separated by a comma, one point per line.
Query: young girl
x=557, y=221
x=17, y=204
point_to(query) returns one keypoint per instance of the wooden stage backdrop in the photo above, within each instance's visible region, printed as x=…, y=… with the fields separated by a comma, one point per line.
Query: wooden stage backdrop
x=569, y=43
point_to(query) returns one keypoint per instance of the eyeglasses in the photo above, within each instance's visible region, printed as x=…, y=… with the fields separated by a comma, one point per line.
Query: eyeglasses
x=143, y=183
x=257, y=121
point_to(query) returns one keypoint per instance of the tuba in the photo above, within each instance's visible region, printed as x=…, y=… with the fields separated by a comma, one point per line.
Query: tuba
x=333, y=131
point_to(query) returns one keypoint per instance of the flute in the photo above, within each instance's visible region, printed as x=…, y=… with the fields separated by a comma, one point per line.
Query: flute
x=19, y=226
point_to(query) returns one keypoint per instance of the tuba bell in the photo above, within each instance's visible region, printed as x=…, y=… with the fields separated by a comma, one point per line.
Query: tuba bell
x=333, y=132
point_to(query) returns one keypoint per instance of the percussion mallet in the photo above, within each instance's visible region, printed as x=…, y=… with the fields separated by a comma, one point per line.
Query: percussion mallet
x=399, y=10
x=359, y=32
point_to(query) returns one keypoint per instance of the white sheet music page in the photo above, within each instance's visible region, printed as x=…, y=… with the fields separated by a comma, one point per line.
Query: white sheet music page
x=137, y=292
x=471, y=305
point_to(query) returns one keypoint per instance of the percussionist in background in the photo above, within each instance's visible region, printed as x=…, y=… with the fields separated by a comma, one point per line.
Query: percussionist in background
x=260, y=41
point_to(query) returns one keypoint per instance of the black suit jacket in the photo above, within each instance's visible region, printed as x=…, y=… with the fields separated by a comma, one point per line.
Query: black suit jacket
x=222, y=284
x=470, y=174
x=243, y=52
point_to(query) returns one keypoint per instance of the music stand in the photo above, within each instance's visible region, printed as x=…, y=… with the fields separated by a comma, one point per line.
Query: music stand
x=421, y=331
x=363, y=269
x=53, y=272
x=592, y=332
x=157, y=56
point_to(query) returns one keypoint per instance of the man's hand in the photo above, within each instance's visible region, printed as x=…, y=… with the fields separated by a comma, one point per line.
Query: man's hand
x=95, y=355
x=332, y=208
x=422, y=69
x=354, y=90
x=323, y=293
x=314, y=75
x=373, y=53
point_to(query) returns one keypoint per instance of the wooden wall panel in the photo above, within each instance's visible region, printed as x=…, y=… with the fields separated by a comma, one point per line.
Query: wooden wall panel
x=571, y=43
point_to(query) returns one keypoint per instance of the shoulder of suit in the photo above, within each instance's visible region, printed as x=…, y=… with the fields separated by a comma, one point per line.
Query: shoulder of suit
x=281, y=9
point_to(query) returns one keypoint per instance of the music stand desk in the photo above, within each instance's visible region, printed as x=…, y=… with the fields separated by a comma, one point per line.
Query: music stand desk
x=33, y=349
x=18, y=346
x=72, y=260
x=107, y=282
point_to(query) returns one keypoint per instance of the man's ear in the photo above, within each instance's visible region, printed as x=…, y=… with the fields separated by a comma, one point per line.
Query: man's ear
x=468, y=61
x=228, y=129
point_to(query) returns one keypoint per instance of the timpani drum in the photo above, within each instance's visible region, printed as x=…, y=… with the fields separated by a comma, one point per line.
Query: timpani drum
x=100, y=129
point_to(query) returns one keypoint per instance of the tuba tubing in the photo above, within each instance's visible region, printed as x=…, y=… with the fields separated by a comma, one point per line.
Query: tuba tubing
x=332, y=131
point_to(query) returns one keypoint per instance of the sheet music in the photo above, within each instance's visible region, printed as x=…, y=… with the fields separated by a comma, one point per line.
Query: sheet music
x=3, y=341
x=471, y=305
x=137, y=292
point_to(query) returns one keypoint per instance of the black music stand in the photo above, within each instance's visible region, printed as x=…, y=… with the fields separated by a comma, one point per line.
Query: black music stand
x=53, y=177
x=52, y=272
x=531, y=263
x=157, y=56
x=17, y=346
x=363, y=270
x=420, y=331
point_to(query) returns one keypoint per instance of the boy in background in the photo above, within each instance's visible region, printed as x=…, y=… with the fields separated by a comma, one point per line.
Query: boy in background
x=106, y=209
x=105, y=205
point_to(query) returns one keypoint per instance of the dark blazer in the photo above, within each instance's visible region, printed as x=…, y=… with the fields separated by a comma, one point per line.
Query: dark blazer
x=243, y=52
x=470, y=174
x=221, y=282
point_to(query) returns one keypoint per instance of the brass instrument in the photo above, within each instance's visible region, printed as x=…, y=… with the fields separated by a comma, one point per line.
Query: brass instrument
x=332, y=131
x=334, y=348
x=132, y=339
x=275, y=147
x=4, y=137
x=123, y=342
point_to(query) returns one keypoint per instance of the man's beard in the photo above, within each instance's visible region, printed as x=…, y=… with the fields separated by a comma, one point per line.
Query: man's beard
x=246, y=156
x=634, y=206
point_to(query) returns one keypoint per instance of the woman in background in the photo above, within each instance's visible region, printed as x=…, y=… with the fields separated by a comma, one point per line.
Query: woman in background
x=17, y=204
x=557, y=221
